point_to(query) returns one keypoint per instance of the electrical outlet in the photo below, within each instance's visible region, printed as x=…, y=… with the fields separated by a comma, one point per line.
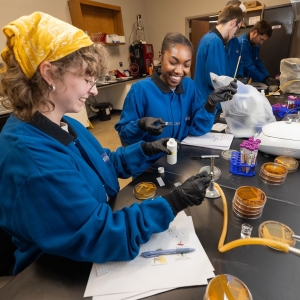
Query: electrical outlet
x=120, y=64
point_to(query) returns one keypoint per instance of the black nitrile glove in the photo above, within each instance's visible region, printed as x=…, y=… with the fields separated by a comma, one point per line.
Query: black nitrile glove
x=271, y=81
x=153, y=126
x=223, y=93
x=191, y=192
x=155, y=147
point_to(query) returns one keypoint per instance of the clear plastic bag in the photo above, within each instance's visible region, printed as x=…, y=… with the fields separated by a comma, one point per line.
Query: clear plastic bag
x=247, y=112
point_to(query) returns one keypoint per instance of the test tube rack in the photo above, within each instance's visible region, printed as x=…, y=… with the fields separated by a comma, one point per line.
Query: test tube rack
x=238, y=168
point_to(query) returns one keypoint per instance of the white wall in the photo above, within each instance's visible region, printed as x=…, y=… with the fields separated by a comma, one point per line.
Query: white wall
x=158, y=16
x=13, y=9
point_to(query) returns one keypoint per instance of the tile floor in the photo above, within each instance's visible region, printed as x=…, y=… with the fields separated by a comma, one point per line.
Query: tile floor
x=106, y=134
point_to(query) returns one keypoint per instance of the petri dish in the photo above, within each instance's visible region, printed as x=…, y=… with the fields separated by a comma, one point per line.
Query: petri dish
x=270, y=180
x=274, y=170
x=276, y=231
x=289, y=162
x=216, y=173
x=243, y=215
x=226, y=286
x=251, y=196
x=144, y=190
x=226, y=154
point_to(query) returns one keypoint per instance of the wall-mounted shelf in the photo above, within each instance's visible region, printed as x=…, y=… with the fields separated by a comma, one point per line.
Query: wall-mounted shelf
x=96, y=17
x=255, y=13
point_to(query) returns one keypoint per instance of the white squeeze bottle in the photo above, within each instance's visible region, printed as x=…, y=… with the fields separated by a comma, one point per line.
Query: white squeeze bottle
x=172, y=145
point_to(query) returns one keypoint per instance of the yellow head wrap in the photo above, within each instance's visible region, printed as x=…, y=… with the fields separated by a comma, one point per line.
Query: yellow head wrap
x=40, y=37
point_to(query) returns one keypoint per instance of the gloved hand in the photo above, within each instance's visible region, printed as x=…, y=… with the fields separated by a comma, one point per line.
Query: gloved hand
x=271, y=81
x=153, y=126
x=223, y=93
x=155, y=147
x=191, y=192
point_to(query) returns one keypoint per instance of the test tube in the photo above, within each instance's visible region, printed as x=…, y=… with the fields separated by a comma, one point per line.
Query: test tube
x=249, y=156
x=242, y=150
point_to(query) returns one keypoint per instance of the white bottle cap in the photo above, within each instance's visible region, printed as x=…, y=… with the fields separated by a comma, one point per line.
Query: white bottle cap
x=161, y=170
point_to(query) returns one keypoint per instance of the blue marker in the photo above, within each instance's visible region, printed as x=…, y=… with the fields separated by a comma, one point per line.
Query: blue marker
x=166, y=252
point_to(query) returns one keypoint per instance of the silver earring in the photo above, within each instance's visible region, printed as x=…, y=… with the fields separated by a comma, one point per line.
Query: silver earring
x=52, y=87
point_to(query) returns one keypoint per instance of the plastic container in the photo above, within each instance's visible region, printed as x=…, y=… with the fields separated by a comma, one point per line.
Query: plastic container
x=237, y=168
x=172, y=145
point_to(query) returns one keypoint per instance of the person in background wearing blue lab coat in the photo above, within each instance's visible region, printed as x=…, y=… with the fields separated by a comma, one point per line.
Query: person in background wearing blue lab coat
x=250, y=44
x=56, y=178
x=170, y=97
x=218, y=51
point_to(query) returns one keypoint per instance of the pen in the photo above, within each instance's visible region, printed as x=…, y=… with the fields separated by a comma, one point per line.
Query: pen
x=205, y=156
x=172, y=123
x=155, y=253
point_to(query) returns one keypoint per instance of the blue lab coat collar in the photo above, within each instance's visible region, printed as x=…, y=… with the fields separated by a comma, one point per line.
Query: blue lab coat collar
x=163, y=87
x=47, y=126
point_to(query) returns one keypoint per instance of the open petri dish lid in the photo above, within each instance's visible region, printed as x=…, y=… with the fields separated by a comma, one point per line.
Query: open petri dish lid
x=226, y=286
x=276, y=231
x=226, y=154
x=144, y=190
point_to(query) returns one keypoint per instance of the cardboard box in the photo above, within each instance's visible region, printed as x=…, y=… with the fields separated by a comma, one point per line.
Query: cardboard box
x=251, y=4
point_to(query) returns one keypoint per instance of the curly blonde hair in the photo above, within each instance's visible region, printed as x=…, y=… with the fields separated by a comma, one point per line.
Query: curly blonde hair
x=24, y=96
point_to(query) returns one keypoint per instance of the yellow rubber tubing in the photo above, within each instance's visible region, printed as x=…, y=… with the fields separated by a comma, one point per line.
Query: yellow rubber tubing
x=242, y=242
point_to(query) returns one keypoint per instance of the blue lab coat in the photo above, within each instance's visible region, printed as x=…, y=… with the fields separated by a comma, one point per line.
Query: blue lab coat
x=253, y=65
x=215, y=56
x=151, y=97
x=54, y=191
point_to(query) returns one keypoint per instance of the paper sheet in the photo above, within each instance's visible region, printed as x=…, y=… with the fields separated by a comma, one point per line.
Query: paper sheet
x=212, y=140
x=143, y=277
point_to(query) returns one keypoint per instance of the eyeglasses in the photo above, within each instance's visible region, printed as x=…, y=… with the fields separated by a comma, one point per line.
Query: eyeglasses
x=90, y=82
x=238, y=29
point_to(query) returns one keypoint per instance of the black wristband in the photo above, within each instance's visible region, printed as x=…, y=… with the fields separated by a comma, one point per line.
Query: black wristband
x=176, y=202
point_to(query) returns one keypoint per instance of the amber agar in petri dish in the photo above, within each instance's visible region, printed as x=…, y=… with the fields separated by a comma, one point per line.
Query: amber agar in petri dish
x=289, y=162
x=273, y=173
x=274, y=170
x=226, y=286
x=144, y=190
x=276, y=231
x=248, y=202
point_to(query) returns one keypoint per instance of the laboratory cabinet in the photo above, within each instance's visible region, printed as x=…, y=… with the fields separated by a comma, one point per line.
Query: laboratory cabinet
x=95, y=17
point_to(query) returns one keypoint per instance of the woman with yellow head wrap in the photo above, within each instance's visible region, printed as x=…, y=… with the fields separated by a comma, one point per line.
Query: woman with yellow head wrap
x=55, y=176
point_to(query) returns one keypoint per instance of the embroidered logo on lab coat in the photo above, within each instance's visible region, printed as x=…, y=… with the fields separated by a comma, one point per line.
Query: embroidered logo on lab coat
x=105, y=157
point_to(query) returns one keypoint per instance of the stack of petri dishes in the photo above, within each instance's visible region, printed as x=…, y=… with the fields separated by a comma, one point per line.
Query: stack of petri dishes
x=273, y=173
x=289, y=162
x=248, y=202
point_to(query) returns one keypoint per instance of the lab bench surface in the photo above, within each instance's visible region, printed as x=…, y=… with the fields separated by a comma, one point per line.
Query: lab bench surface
x=268, y=273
